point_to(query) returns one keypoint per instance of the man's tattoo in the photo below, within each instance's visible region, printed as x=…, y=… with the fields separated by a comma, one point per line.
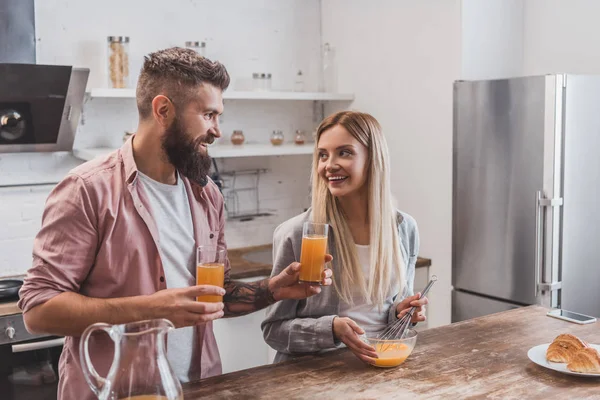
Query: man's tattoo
x=246, y=297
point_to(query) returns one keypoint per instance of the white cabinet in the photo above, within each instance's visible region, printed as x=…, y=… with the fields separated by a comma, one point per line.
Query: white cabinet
x=241, y=342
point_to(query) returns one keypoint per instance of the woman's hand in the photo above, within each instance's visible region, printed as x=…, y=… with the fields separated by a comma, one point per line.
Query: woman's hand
x=347, y=331
x=286, y=285
x=405, y=305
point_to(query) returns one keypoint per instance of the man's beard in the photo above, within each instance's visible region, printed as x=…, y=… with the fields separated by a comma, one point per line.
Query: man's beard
x=182, y=152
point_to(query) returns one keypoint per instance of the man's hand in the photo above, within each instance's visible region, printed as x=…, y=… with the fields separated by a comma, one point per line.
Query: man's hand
x=69, y=314
x=181, y=308
x=286, y=285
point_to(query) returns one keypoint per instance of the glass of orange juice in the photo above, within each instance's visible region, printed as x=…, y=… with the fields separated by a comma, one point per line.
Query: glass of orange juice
x=312, y=255
x=210, y=269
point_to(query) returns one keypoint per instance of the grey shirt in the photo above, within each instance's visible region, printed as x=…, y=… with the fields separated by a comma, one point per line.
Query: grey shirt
x=171, y=211
x=298, y=327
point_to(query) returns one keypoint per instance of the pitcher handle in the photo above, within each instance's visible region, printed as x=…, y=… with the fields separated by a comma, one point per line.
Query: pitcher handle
x=94, y=380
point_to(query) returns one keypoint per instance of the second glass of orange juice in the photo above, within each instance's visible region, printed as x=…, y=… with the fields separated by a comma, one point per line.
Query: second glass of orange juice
x=312, y=255
x=210, y=270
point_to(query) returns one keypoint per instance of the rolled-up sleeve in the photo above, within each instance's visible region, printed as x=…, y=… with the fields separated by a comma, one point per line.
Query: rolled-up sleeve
x=64, y=249
x=282, y=328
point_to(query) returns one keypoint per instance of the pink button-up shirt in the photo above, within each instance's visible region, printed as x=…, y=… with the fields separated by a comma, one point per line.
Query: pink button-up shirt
x=99, y=239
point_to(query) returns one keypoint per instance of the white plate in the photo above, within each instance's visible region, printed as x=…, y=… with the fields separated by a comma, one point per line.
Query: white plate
x=537, y=354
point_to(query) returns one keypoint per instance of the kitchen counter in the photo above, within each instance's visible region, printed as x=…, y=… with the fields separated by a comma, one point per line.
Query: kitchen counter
x=242, y=268
x=9, y=309
x=481, y=358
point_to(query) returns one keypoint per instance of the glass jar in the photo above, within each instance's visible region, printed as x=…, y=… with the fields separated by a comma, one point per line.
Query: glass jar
x=329, y=83
x=266, y=81
x=237, y=137
x=300, y=137
x=256, y=81
x=261, y=81
x=299, y=82
x=277, y=138
x=198, y=47
x=118, y=61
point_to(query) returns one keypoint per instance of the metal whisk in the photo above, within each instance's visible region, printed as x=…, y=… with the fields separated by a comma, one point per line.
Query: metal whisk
x=397, y=329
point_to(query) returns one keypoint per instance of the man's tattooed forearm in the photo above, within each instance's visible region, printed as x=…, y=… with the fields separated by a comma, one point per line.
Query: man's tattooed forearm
x=246, y=297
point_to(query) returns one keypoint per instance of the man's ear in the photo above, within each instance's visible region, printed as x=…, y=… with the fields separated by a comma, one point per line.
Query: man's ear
x=163, y=110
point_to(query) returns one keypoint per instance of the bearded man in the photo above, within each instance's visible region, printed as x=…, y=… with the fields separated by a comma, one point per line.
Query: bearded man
x=119, y=234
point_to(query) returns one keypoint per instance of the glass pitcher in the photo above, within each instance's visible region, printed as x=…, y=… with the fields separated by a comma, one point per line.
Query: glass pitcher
x=140, y=369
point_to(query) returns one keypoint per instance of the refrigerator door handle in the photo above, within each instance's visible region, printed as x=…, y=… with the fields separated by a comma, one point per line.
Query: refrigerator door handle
x=538, y=239
x=541, y=201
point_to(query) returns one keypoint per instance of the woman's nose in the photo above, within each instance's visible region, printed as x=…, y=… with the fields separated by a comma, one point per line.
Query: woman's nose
x=331, y=166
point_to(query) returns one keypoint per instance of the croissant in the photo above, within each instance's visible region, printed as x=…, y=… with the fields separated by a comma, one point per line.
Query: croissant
x=586, y=360
x=564, y=347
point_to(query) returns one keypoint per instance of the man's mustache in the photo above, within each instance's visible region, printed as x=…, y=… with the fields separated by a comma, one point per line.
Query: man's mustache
x=209, y=139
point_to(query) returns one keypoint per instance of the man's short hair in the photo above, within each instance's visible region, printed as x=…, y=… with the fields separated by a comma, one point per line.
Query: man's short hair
x=174, y=72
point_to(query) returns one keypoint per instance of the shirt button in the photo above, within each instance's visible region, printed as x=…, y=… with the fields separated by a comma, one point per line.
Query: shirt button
x=162, y=278
x=212, y=235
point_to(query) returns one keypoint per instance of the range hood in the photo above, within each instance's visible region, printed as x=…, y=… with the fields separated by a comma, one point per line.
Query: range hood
x=40, y=106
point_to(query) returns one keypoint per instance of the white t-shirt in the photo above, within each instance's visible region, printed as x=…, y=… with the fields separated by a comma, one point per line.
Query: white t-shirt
x=369, y=317
x=172, y=215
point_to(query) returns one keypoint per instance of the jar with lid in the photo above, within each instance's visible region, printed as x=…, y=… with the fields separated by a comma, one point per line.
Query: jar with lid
x=261, y=81
x=118, y=61
x=237, y=137
x=329, y=79
x=266, y=82
x=300, y=137
x=198, y=47
x=299, y=82
x=256, y=81
x=277, y=138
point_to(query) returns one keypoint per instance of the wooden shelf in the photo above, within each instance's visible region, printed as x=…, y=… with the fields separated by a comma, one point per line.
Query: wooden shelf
x=219, y=151
x=233, y=95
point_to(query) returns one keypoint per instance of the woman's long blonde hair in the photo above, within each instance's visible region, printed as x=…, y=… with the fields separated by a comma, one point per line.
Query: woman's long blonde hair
x=382, y=216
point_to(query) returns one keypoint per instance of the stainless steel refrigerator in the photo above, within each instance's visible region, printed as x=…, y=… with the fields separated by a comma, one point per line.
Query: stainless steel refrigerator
x=526, y=195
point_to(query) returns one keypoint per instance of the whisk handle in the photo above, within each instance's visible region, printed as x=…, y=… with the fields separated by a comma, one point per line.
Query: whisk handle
x=429, y=285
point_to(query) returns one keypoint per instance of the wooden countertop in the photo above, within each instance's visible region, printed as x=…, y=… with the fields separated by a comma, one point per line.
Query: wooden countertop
x=9, y=309
x=480, y=358
x=242, y=268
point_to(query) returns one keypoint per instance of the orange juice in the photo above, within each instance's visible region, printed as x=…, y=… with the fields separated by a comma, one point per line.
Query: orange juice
x=391, y=354
x=210, y=274
x=312, y=258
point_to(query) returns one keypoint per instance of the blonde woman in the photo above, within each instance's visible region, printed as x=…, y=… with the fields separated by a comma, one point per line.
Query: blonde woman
x=374, y=247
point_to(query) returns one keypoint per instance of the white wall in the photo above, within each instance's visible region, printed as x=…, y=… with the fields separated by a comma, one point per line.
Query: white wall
x=400, y=58
x=276, y=36
x=562, y=37
x=247, y=36
x=492, y=38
